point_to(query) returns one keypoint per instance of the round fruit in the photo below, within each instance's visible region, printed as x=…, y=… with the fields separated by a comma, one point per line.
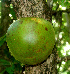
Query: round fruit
x=30, y=40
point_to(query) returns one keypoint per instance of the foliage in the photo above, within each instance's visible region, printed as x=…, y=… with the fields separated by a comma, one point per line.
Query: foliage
x=62, y=2
x=2, y=39
x=12, y=65
x=12, y=12
x=62, y=33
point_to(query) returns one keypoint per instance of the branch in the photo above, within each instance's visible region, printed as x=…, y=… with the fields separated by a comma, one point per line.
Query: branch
x=65, y=58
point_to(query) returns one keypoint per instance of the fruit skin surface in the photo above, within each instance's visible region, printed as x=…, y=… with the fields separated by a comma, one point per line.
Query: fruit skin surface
x=30, y=40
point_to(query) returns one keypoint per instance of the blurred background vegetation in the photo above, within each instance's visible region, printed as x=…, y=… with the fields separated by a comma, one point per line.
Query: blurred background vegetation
x=61, y=24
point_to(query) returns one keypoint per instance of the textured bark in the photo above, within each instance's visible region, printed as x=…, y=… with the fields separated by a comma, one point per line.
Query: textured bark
x=37, y=8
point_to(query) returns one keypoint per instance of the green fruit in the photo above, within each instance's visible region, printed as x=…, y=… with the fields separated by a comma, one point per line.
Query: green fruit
x=30, y=40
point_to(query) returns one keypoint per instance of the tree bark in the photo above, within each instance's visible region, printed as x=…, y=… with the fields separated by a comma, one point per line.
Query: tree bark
x=37, y=8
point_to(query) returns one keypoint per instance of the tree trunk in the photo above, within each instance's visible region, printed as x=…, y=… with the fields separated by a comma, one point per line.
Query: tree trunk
x=37, y=8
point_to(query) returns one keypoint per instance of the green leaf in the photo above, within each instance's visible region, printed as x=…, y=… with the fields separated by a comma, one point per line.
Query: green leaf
x=10, y=70
x=2, y=39
x=12, y=12
x=7, y=53
x=46, y=0
x=11, y=6
x=67, y=4
x=55, y=1
x=18, y=67
x=4, y=62
x=63, y=3
x=68, y=72
x=2, y=72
